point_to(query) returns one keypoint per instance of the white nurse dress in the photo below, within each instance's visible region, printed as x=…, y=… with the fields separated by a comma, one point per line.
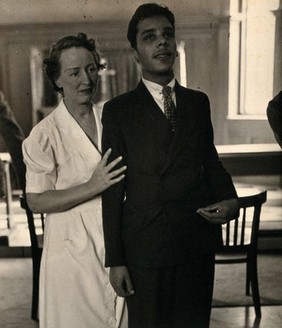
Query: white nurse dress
x=74, y=285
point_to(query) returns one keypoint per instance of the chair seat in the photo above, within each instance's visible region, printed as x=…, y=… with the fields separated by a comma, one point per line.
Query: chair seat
x=222, y=258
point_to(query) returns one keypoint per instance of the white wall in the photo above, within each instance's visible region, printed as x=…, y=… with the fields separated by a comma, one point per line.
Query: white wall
x=202, y=24
x=63, y=11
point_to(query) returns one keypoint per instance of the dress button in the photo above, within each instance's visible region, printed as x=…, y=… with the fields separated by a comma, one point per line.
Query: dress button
x=111, y=305
x=112, y=322
x=109, y=286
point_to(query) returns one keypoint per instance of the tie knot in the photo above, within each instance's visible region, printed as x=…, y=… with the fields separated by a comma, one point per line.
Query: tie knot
x=167, y=91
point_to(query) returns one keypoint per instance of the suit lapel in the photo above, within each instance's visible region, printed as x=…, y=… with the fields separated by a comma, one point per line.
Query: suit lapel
x=147, y=105
x=149, y=116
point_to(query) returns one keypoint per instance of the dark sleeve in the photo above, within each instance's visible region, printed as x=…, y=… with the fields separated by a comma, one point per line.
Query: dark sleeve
x=113, y=198
x=13, y=137
x=274, y=115
x=219, y=180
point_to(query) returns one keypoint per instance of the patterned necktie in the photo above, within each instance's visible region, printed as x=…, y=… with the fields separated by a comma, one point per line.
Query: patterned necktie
x=169, y=107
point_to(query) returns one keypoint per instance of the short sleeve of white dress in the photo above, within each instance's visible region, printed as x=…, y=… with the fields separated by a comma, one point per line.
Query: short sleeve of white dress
x=40, y=162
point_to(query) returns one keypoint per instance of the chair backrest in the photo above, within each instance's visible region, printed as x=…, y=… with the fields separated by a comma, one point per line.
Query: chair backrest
x=35, y=244
x=242, y=233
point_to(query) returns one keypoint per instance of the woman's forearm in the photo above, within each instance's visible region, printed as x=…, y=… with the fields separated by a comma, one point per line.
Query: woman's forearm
x=52, y=201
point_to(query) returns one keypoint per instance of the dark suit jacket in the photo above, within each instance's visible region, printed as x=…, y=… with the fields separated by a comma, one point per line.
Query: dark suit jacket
x=150, y=218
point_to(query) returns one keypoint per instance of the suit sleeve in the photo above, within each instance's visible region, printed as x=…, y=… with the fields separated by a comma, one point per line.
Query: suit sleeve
x=219, y=180
x=113, y=198
x=274, y=115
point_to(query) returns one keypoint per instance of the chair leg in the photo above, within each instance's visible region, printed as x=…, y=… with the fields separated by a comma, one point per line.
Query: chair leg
x=35, y=290
x=248, y=280
x=255, y=287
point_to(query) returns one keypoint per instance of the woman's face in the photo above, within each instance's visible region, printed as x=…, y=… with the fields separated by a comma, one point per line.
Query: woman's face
x=79, y=76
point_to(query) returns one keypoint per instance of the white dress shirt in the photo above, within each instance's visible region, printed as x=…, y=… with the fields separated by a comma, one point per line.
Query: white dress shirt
x=156, y=92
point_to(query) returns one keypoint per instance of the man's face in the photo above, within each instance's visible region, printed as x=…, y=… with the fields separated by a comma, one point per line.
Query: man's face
x=156, y=48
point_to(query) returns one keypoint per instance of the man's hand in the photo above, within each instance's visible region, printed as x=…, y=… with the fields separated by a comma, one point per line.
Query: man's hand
x=220, y=213
x=121, y=282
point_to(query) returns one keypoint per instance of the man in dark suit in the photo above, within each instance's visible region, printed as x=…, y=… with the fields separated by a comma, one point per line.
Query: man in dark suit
x=274, y=115
x=162, y=224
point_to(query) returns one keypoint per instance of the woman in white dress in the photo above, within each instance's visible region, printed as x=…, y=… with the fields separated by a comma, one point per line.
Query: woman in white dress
x=65, y=178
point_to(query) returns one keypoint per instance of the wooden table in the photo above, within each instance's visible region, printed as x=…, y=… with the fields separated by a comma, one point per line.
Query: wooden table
x=251, y=159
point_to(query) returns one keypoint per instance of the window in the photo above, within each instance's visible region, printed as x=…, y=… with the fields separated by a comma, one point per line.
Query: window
x=251, y=57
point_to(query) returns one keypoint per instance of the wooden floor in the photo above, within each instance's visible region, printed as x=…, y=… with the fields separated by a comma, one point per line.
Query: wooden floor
x=239, y=317
x=15, y=303
x=224, y=318
x=244, y=317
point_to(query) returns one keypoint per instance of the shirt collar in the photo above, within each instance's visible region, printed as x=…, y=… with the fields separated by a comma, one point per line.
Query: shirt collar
x=157, y=88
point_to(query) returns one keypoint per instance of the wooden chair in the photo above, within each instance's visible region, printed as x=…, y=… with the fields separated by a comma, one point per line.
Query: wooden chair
x=240, y=239
x=36, y=253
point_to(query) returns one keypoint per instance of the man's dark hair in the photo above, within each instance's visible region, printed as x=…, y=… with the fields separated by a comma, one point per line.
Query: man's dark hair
x=146, y=10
